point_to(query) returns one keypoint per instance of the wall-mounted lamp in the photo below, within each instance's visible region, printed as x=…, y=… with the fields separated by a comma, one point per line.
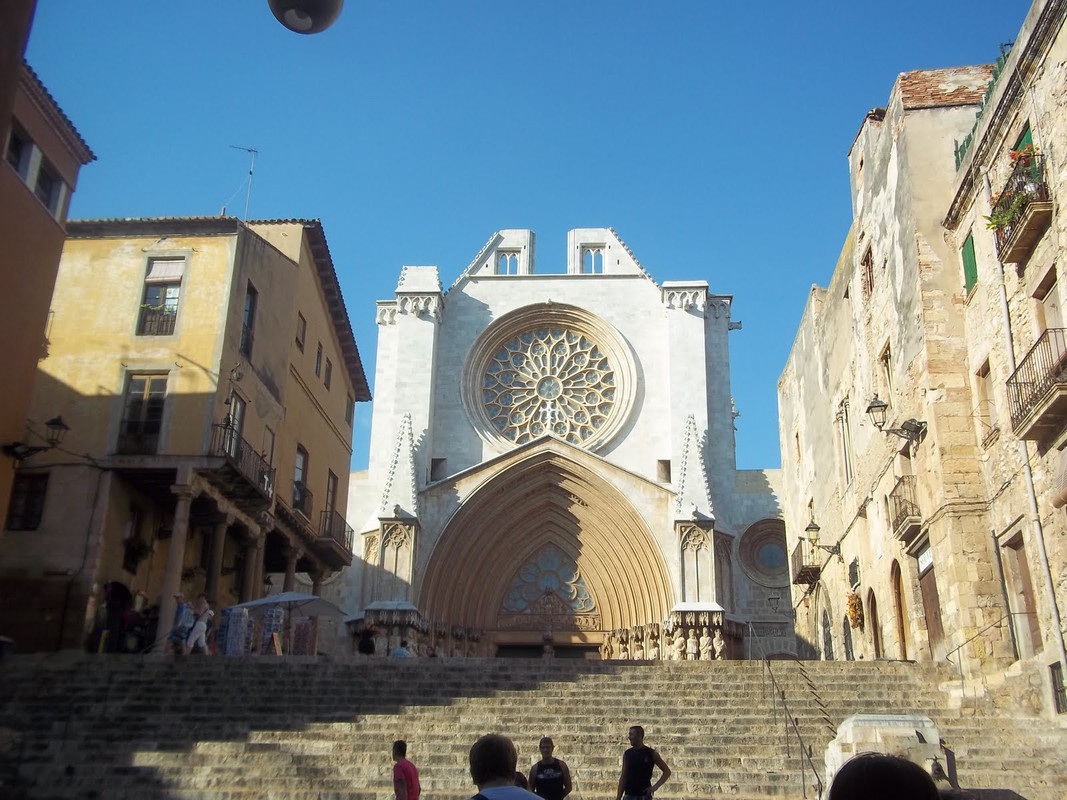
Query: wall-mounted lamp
x=813, y=536
x=57, y=429
x=306, y=16
x=910, y=429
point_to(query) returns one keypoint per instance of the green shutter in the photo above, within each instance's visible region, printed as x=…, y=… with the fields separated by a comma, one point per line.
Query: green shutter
x=970, y=265
x=1025, y=139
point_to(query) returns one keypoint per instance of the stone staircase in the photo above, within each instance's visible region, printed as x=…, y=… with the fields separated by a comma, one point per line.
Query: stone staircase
x=82, y=726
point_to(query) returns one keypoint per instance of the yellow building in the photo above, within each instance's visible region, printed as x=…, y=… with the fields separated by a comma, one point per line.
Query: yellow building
x=208, y=373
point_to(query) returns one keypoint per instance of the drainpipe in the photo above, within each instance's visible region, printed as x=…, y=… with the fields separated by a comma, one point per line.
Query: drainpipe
x=1028, y=475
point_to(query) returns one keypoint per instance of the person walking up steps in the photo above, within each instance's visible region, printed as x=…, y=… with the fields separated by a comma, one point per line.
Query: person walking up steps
x=405, y=775
x=635, y=780
x=550, y=777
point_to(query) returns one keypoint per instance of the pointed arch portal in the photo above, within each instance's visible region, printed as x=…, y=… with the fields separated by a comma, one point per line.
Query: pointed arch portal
x=551, y=521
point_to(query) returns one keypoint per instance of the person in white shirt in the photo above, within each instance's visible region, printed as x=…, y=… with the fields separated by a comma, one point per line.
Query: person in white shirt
x=202, y=615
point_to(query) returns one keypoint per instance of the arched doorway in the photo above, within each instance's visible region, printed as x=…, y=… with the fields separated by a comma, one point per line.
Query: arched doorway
x=876, y=627
x=824, y=627
x=846, y=638
x=901, y=609
x=547, y=546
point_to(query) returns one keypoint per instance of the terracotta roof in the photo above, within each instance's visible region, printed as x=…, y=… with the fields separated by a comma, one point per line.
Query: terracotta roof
x=144, y=226
x=320, y=251
x=50, y=108
x=953, y=86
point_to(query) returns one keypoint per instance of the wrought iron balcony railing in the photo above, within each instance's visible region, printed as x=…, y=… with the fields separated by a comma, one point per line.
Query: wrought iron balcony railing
x=1014, y=223
x=227, y=442
x=335, y=528
x=303, y=499
x=1041, y=373
x=805, y=564
x=904, y=508
x=156, y=321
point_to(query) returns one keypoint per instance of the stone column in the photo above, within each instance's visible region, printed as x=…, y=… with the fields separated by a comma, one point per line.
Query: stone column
x=316, y=589
x=218, y=546
x=172, y=575
x=253, y=560
x=293, y=555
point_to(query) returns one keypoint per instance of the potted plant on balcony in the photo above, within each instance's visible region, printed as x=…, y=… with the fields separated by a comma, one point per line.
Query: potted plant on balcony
x=855, y=611
x=1007, y=207
x=1024, y=156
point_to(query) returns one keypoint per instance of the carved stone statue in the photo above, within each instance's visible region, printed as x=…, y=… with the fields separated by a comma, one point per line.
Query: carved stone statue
x=624, y=650
x=679, y=646
x=719, y=644
x=705, y=645
x=692, y=646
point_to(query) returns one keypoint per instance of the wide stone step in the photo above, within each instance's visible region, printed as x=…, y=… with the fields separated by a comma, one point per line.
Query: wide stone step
x=296, y=729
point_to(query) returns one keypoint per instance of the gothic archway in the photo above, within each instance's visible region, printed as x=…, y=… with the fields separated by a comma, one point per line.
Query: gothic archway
x=874, y=623
x=546, y=544
x=901, y=609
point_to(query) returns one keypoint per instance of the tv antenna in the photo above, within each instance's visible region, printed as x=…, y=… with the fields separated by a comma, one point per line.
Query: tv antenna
x=251, y=169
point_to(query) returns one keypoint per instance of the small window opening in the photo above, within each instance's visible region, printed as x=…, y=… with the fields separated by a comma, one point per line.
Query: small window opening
x=663, y=470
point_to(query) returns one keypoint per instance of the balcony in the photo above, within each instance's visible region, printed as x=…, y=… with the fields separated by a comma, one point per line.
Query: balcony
x=806, y=568
x=335, y=538
x=1022, y=211
x=1037, y=390
x=245, y=475
x=156, y=321
x=904, y=510
x=303, y=499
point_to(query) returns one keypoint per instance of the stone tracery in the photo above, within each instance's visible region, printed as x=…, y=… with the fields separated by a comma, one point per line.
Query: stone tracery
x=549, y=572
x=549, y=380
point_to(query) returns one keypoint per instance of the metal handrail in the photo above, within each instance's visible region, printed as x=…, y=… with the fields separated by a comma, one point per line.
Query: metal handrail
x=779, y=694
x=991, y=625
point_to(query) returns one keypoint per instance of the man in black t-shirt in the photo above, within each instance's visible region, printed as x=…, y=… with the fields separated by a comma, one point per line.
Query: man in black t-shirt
x=550, y=778
x=635, y=780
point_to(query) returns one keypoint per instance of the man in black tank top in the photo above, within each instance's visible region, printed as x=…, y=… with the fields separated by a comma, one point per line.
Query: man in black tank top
x=550, y=778
x=635, y=780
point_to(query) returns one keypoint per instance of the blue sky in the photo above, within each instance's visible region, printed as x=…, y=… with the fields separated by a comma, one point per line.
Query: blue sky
x=713, y=137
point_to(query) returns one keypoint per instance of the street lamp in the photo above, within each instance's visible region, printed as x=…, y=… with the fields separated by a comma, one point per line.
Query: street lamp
x=910, y=429
x=306, y=16
x=57, y=429
x=813, y=536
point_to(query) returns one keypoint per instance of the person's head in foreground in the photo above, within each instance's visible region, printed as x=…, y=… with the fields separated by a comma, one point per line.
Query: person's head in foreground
x=400, y=749
x=876, y=776
x=493, y=759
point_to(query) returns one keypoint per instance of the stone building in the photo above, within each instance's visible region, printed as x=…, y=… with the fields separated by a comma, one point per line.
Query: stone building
x=43, y=154
x=921, y=409
x=208, y=372
x=552, y=466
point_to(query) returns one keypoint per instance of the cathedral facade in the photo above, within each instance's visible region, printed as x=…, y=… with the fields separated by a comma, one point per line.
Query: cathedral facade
x=552, y=468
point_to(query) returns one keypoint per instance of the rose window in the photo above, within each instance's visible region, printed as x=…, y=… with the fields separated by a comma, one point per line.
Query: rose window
x=551, y=380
